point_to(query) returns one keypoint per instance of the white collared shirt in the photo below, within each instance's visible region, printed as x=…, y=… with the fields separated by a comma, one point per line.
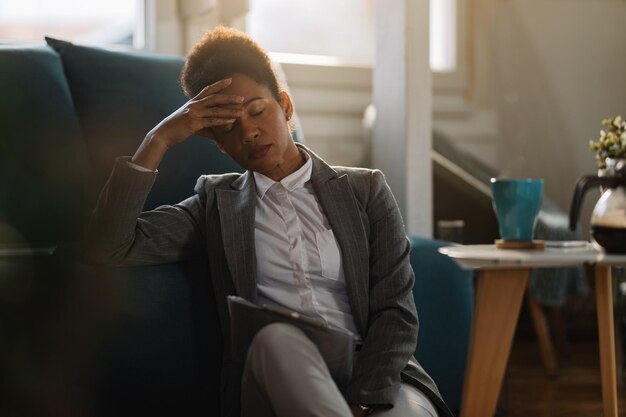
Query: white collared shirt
x=298, y=259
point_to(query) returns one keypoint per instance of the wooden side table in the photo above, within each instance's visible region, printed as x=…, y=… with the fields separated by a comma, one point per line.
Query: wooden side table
x=502, y=281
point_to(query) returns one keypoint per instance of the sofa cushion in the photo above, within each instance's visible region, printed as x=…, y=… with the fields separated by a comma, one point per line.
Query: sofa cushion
x=42, y=160
x=121, y=95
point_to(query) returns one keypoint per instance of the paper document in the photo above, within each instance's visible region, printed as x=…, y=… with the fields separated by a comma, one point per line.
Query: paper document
x=335, y=345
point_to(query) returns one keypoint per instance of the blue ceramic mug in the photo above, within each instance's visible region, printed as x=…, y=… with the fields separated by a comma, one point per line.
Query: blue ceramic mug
x=516, y=203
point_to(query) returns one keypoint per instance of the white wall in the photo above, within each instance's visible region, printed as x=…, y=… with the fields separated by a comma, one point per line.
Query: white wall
x=330, y=101
x=560, y=70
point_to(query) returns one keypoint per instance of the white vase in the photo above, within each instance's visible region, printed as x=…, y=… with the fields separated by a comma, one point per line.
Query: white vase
x=611, y=164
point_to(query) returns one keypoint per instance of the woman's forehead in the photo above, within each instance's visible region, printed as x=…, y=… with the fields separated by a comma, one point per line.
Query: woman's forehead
x=244, y=86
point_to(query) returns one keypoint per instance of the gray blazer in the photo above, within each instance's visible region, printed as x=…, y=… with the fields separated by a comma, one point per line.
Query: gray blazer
x=219, y=221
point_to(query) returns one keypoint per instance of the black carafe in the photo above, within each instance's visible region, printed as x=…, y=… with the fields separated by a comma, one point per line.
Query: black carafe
x=608, y=220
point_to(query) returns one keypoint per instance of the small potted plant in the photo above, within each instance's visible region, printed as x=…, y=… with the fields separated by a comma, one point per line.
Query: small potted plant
x=611, y=145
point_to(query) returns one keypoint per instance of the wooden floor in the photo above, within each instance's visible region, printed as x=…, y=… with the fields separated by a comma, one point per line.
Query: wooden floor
x=575, y=392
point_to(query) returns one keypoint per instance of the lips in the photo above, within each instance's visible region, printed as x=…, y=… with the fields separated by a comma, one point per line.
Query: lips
x=259, y=152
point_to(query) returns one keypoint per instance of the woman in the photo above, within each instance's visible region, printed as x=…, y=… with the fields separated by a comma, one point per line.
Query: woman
x=292, y=231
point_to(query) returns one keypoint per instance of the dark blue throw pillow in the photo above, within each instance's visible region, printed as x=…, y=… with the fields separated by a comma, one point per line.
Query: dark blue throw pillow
x=121, y=95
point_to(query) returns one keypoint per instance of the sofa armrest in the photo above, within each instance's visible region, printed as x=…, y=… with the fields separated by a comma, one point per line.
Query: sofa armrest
x=444, y=297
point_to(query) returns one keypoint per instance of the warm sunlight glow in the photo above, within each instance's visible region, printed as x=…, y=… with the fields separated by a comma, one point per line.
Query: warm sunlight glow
x=102, y=21
x=443, y=43
x=308, y=27
x=305, y=27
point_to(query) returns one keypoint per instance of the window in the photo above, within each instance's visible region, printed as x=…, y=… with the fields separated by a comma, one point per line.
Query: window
x=443, y=35
x=343, y=29
x=101, y=21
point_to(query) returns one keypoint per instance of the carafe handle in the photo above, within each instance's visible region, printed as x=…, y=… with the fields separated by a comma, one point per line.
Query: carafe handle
x=585, y=183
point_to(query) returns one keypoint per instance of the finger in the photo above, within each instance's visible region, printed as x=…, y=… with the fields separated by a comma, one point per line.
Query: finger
x=210, y=122
x=218, y=121
x=222, y=112
x=214, y=88
x=221, y=100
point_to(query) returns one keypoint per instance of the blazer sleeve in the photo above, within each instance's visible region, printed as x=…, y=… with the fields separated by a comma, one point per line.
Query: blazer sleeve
x=392, y=325
x=120, y=234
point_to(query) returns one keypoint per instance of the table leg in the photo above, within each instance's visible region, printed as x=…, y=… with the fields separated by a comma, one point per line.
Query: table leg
x=542, y=330
x=498, y=301
x=604, y=305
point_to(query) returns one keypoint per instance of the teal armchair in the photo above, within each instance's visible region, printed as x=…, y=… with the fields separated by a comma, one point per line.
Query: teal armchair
x=444, y=296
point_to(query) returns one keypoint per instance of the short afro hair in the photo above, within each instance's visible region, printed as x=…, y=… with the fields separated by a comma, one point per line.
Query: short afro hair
x=222, y=52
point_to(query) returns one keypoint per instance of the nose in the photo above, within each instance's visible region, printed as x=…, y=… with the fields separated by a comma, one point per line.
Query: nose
x=249, y=131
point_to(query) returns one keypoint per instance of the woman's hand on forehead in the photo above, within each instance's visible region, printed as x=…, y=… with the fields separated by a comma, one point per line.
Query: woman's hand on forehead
x=211, y=96
x=208, y=109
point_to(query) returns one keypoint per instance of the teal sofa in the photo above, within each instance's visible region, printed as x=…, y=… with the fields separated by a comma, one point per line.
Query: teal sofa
x=81, y=340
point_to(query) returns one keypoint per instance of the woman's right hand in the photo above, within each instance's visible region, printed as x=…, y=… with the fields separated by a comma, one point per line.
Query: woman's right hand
x=208, y=109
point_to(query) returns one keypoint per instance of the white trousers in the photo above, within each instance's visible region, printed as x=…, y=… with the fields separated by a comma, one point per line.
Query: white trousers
x=285, y=376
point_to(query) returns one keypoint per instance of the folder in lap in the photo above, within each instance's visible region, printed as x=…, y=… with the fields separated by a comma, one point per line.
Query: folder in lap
x=335, y=345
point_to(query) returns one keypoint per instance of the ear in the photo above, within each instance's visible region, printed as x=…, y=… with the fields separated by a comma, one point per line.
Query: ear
x=286, y=104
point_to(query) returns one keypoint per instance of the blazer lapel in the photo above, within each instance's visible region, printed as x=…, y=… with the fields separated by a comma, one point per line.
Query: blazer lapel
x=236, y=208
x=340, y=206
